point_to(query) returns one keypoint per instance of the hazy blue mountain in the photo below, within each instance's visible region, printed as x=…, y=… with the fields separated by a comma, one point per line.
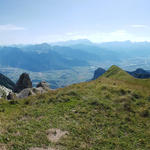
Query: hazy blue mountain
x=72, y=42
x=71, y=53
x=45, y=57
x=128, y=48
x=140, y=73
x=40, y=48
x=103, y=54
x=79, y=49
x=35, y=61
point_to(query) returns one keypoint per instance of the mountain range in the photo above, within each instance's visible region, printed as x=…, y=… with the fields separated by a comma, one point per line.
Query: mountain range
x=35, y=61
x=64, y=63
x=44, y=57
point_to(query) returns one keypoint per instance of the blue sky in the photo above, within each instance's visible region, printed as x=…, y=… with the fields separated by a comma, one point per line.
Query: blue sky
x=37, y=21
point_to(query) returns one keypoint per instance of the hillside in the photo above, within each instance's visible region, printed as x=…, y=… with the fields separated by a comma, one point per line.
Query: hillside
x=111, y=112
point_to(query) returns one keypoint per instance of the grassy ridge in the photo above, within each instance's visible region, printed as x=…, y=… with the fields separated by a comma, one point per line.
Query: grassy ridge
x=111, y=112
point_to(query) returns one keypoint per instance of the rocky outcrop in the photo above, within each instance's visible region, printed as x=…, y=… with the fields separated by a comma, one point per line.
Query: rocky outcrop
x=23, y=83
x=25, y=93
x=23, y=88
x=4, y=92
x=41, y=88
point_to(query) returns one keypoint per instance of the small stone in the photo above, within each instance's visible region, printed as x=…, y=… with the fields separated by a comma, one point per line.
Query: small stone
x=11, y=96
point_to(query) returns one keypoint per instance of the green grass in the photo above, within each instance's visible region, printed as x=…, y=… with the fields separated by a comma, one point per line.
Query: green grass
x=112, y=112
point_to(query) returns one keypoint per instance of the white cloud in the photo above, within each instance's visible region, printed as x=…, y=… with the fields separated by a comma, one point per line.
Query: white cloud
x=139, y=26
x=10, y=27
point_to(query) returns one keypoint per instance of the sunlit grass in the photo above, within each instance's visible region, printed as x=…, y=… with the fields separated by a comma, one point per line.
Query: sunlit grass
x=111, y=112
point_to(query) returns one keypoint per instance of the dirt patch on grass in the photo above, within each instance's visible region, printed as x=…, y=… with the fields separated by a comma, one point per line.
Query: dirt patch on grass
x=54, y=135
x=37, y=148
x=2, y=147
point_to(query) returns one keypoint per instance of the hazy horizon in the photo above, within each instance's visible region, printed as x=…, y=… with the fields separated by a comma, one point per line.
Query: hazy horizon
x=38, y=21
x=69, y=42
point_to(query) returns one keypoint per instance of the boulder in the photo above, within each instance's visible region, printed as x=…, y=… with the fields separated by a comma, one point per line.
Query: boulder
x=25, y=93
x=23, y=83
x=11, y=96
x=31, y=91
x=39, y=90
x=4, y=92
x=43, y=85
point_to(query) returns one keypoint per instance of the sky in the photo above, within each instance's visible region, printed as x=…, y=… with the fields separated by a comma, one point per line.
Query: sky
x=38, y=21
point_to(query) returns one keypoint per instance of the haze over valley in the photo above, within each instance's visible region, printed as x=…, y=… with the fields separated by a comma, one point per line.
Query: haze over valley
x=64, y=63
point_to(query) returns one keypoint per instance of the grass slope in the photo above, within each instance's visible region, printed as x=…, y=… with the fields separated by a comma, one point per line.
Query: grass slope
x=112, y=112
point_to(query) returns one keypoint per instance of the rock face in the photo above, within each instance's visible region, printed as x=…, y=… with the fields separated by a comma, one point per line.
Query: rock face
x=98, y=72
x=4, y=92
x=23, y=83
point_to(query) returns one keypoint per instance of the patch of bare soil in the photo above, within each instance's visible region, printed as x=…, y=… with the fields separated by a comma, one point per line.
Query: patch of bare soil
x=2, y=147
x=54, y=135
x=37, y=148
